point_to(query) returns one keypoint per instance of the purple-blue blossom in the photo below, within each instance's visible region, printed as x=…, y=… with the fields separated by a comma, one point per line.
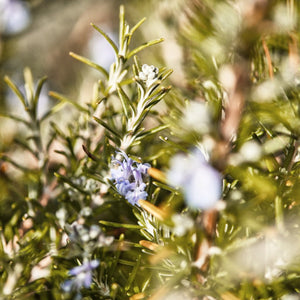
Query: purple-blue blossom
x=200, y=182
x=82, y=276
x=128, y=176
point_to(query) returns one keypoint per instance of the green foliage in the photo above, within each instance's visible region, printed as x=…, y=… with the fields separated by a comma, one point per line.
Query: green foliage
x=240, y=104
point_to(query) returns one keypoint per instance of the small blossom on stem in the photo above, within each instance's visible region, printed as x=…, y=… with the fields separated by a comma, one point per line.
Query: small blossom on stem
x=200, y=182
x=128, y=177
x=82, y=276
x=148, y=74
x=182, y=224
x=88, y=238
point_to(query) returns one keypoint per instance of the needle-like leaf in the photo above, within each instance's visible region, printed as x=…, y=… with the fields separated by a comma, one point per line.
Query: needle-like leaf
x=110, y=41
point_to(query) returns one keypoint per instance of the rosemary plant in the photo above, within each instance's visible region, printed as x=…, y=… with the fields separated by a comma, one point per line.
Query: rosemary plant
x=157, y=193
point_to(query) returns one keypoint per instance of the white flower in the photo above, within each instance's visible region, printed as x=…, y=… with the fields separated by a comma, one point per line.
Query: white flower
x=178, y=295
x=148, y=74
x=182, y=224
x=251, y=151
x=88, y=238
x=61, y=215
x=196, y=117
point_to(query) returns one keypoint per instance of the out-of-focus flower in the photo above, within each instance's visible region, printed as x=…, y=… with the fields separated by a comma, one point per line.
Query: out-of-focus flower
x=61, y=216
x=12, y=279
x=251, y=151
x=14, y=16
x=128, y=176
x=83, y=276
x=88, y=238
x=10, y=247
x=275, y=256
x=290, y=297
x=196, y=116
x=148, y=74
x=200, y=182
x=284, y=18
x=42, y=269
x=89, y=185
x=178, y=295
x=182, y=224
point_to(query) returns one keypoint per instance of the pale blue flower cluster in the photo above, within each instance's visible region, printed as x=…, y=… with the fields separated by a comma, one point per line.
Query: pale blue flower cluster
x=200, y=182
x=82, y=276
x=88, y=238
x=128, y=177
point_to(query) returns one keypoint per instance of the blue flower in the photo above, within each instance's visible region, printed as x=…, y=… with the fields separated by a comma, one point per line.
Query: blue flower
x=128, y=177
x=83, y=276
x=200, y=182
